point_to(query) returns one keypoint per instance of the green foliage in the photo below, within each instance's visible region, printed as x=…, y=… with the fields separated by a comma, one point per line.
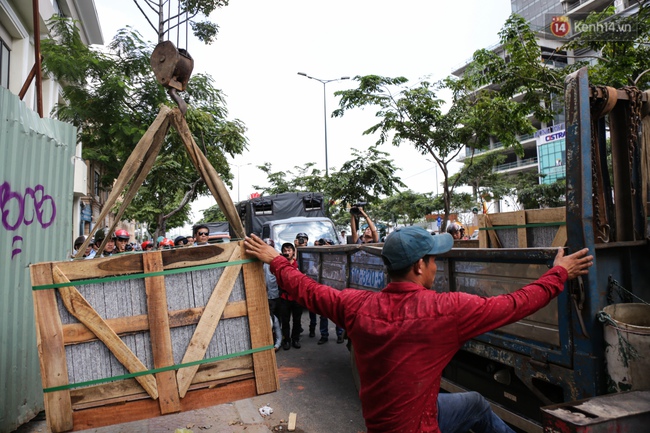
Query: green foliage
x=368, y=176
x=621, y=61
x=406, y=207
x=183, y=12
x=213, y=214
x=113, y=97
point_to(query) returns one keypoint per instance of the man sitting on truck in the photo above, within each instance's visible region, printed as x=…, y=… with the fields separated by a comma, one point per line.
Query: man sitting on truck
x=405, y=335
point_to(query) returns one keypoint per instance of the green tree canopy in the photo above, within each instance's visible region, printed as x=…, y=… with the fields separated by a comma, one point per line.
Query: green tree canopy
x=113, y=97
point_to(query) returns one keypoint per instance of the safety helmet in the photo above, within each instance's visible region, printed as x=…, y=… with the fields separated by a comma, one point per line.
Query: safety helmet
x=453, y=228
x=302, y=235
x=146, y=244
x=79, y=242
x=122, y=234
x=166, y=243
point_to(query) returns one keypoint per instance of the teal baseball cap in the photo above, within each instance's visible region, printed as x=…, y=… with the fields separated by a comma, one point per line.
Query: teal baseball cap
x=407, y=245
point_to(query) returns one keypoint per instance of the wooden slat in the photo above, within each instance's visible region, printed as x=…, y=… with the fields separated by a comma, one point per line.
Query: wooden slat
x=74, y=333
x=522, y=238
x=264, y=363
x=560, y=237
x=147, y=408
x=550, y=215
x=125, y=264
x=52, y=358
x=161, y=339
x=208, y=323
x=208, y=173
x=128, y=390
x=133, y=162
x=77, y=305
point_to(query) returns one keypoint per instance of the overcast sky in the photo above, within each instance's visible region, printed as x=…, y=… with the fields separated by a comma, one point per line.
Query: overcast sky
x=263, y=44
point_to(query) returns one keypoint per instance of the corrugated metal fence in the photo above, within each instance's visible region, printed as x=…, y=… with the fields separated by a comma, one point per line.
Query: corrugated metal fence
x=36, y=192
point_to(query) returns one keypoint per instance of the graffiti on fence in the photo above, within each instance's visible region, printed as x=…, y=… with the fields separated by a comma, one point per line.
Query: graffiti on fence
x=19, y=209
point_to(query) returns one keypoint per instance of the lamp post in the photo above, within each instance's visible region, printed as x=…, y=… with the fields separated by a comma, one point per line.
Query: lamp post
x=324, y=82
x=238, y=177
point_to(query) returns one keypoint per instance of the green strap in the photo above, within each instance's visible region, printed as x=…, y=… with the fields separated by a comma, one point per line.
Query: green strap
x=525, y=226
x=155, y=370
x=137, y=276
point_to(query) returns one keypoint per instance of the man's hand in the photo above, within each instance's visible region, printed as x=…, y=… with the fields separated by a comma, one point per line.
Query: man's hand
x=575, y=264
x=257, y=248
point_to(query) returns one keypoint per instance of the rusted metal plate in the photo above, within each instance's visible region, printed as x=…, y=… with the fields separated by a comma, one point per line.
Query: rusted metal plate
x=627, y=412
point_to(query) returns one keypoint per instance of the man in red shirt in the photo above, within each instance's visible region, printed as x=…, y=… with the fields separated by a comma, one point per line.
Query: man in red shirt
x=405, y=335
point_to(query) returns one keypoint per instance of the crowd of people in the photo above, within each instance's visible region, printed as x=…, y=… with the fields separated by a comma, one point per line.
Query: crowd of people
x=118, y=242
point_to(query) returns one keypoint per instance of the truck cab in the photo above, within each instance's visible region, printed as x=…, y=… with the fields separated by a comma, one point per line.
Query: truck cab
x=285, y=230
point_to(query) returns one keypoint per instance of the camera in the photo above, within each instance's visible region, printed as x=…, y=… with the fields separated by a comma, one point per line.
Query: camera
x=354, y=210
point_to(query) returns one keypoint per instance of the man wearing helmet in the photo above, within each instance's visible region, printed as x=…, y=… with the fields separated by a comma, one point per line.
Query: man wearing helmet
x=121, y=238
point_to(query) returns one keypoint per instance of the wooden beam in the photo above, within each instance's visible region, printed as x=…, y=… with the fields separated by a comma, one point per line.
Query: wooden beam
x=560, y=237
x=209, y=174
x=259, y=323
x=522, y=237
x=208, y=323
x=79, y=307
x=126, y=390
x=147, y=408
x=159, y=332
x=75, y=333
x=131, y=166
x=52, y=357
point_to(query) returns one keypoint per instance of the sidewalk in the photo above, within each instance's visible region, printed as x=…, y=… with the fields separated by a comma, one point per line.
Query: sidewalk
x=239, y=417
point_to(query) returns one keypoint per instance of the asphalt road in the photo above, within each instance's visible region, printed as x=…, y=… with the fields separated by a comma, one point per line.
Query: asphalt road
x=315, y=383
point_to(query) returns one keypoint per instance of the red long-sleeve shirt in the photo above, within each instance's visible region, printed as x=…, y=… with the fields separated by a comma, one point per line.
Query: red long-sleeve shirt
x=405, y=335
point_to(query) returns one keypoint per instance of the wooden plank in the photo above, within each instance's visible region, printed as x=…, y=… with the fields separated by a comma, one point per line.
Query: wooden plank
x=74, y=333
x=126, y=264
x=147, y=408
x=161, y=340
x=208, y=173
x=52, y=358
x=494, y=239
x=128, y=170
x=292, y=421
x=482, y=234
x=77, y=305
x=208, y=323
x=128, y=390
x=522, y=238
x=560, y=237
x=264, y=363
x=550, y=215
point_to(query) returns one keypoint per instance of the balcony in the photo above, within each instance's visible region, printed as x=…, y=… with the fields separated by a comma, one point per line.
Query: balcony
x=521, y=165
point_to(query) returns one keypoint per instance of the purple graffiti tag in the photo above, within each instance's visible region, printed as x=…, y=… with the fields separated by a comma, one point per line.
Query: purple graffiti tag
x=40, y=198
x=15, y=251
x=6, y=195
x=44, y=208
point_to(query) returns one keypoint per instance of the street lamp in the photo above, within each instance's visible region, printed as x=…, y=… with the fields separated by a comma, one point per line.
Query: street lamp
x=324, y=110
x=238, y=166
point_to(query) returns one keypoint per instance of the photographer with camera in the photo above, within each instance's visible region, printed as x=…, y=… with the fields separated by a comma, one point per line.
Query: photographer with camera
x=370, y=234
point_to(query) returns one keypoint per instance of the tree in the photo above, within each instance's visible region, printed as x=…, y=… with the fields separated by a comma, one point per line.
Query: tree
x=406, y=207
x=163, y=18
x=113, y=97
x=622, y=59
x=213, y=214
x=368, y=177
x=414, y=115
x=478, y=173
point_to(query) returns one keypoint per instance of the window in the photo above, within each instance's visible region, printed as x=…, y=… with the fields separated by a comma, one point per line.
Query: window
x=4, y=64
x=96, y=184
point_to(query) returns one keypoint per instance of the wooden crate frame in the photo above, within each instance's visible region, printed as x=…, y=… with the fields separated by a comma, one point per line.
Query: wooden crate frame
x=168, y=388
x=522, y=221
